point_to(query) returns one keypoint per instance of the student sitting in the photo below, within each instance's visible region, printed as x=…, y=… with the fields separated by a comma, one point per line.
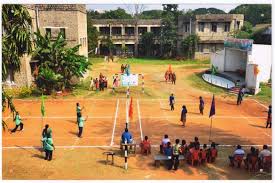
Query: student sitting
x=168, y=151
x=126, y=137
x=264, y=156
x=251, y=159
x=164, y=142
x=203, y=154
x=196, y=142
x=145, y=146
x=237, y=156
x=212, y=153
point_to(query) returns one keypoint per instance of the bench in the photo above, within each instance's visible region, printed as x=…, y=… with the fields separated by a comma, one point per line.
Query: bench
x=109, y=153
x=161, y=157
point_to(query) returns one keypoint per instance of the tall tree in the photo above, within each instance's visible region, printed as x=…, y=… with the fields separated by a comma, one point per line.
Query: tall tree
x=189, y=45
x=168, y=38
x=119, y=13
x=203, y=11
x=151, y=14
x=254, y=13
x=147, y=40
x=16, y=41
x=92, y=35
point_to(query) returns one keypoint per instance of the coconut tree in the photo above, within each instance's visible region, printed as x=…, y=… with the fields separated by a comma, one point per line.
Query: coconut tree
x=16, y=41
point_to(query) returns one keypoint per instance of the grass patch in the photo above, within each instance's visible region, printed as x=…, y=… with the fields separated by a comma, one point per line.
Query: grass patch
x=195, y=80
x=265, y=95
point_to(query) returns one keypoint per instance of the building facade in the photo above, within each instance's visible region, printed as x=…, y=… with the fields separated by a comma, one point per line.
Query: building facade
x=125, y=34
x=212, y=29
x=69, y=19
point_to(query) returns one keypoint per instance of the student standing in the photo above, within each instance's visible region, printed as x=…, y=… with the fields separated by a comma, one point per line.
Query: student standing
x=78, y=111
x=47, y=132
x=201, y=107
x=48, y=147
x=176, y=153
x=172, y=101
x=18, y=122
x=183, y=115
x=96, y=84
x=81, y=125
x=174, y=78
x=269, y=117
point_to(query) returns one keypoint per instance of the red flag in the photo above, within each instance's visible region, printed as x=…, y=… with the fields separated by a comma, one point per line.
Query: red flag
x=131, y=109
x=170, y=69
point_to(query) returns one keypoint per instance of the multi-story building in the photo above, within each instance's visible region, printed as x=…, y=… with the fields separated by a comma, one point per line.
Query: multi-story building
x=212, y=29
x=69, y=19
x=125, y=33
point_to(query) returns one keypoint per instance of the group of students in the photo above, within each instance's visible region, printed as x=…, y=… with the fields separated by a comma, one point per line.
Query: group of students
x=252, y=158
x=170, y=76
x=192, y=152
x=100, y=83
x=184, y=109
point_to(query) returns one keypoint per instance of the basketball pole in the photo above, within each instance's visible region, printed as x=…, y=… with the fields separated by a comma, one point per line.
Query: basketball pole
x=210, y=131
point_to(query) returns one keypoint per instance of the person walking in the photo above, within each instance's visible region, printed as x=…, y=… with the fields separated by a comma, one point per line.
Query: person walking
x=240, y=96
x=269, y=117
x=183, y=115
x=174, y=78
x=18, y=122
x=172, y=101
x=201, y=106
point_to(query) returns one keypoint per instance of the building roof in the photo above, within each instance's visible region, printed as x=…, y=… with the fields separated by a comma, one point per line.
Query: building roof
x=127, y=21
x=214, y=17
x=58, y=7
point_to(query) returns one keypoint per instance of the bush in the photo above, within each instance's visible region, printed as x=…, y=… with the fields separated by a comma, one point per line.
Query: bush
x=21, y=92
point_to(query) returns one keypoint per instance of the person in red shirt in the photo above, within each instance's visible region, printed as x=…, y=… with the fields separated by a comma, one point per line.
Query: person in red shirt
x=145, y=146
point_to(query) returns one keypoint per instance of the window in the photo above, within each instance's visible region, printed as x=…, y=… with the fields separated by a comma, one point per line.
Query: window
x=186, y=27
x=201, y=26
x=200, y=48
x=62, y=30
x=49, y=31
x=214, y=27
x=238, y=24
x=226, y=27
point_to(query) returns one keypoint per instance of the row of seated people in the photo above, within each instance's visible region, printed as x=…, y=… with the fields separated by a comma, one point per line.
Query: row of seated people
x=192, y=152
x=253, y=160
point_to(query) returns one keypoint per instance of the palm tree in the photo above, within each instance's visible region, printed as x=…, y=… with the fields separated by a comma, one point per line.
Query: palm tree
x=16, y=41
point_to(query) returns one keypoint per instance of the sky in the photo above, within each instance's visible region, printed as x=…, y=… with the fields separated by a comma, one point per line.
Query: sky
x=130, y=7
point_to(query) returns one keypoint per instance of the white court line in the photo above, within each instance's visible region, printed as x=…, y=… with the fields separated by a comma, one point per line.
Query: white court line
x=113, y=133
x=139, y=119
x=105, y=146
x=102, y=137
x=230, y=117
x=260, y=103
x=63, y=117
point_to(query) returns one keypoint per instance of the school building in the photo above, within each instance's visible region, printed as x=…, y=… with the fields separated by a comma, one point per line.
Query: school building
x=70, y=19
x=126, y=35
x=212, y=30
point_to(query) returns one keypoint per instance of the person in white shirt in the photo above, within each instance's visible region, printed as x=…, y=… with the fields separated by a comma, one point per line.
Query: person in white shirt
x=238, y=152
x=164, y=142
x=264, y=153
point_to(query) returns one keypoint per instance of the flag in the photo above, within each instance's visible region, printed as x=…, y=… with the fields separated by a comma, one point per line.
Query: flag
x=131, y=109
x=213, y=109
x=170, y=69
x=42, y=106
x=256, y=70
x=213, y=70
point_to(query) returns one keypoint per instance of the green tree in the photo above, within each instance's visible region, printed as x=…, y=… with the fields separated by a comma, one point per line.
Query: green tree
x=254, y=13
x=151, y=14
x=119, y=13
x=55, y=56
x=244, y=33
x=16, y=41
x=168, y=38
x=108, y=43
x=92, y=35
x=189, y=45
x=147, y=40
x=260, y=37
x=203, y=11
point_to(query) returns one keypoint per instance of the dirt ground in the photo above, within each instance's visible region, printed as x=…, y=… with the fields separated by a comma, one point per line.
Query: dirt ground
x=82, y=158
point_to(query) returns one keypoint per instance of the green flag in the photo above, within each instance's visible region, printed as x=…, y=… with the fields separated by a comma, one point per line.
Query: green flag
x=213, y=70
x=42, y=106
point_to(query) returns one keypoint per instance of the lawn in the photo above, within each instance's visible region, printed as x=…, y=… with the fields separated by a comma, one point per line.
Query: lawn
x=265, y=95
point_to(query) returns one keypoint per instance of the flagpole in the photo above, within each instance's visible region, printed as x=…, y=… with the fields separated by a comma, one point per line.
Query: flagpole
x=210, y=131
